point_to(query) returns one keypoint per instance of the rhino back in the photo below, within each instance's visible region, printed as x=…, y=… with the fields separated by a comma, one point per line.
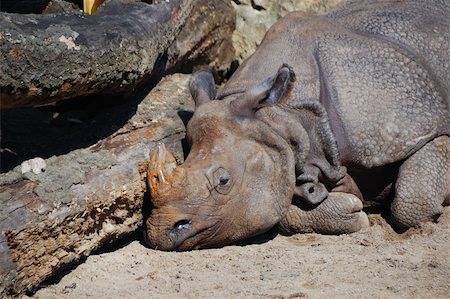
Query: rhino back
x=420, y=27
x=386, y=78
x=380, y=68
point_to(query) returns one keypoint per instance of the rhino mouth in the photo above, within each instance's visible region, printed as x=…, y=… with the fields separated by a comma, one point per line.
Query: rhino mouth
x=201, y=238
x=185, y=234
x=181, y=232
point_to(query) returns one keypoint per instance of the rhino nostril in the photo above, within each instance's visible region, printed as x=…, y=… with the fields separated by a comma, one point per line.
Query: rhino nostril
x=182, y=224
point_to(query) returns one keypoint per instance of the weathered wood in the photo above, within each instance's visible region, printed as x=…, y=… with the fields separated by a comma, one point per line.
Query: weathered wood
x=46, y=58
x=112, y=51
x=205, y=39
x=86, y=198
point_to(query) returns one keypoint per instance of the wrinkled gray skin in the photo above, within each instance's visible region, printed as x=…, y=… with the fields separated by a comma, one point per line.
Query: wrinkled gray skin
x=328, y=113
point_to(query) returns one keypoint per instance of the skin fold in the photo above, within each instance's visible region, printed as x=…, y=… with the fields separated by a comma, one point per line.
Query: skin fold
x=328, y=114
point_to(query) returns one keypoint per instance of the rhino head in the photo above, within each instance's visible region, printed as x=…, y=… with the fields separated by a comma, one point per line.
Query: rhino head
x=239, y=177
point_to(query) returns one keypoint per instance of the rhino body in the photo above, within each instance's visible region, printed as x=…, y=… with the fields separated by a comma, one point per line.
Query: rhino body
x=329, y=112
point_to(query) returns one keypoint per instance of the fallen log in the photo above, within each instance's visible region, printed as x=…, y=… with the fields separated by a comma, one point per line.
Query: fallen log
x=52, y=216
x=47, y=58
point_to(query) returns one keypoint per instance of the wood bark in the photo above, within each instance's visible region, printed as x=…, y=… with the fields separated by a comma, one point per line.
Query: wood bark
x=87, y=197
x=54, y=57
x=46, y=58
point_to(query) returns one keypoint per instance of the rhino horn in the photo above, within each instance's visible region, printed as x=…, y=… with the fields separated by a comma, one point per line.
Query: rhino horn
x=268, y=91
x=161, y=170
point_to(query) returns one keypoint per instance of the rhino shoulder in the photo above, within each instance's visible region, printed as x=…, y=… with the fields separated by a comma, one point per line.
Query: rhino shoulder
x=388, y=102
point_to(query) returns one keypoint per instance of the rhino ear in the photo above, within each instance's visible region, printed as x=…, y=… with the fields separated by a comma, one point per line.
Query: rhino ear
x=269, y=91
x=202, y=87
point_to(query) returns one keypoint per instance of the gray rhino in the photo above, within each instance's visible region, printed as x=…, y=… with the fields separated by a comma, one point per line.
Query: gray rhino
x=329, y=112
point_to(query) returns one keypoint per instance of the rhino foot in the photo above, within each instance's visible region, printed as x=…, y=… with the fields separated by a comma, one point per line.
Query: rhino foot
x=423, y=185
x=339, y=213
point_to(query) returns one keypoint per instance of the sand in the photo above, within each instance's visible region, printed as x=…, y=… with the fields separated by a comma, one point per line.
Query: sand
x=373, y=263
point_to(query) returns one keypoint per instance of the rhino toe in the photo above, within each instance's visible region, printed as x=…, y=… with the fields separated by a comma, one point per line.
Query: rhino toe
x=362, y=221
x=339, y=213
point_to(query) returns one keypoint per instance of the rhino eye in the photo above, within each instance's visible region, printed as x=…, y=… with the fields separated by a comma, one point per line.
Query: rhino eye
x=222, y=178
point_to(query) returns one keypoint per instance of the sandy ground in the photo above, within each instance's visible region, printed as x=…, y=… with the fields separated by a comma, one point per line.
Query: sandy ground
x=373, y=263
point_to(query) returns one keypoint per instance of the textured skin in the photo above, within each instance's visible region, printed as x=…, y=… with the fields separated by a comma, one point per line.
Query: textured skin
x=380, y=69
x=423, y=183
x=384, y=83
x=340, y=213
x=361, y=101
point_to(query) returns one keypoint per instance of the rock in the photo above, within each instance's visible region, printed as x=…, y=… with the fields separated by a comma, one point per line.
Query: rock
x=36, y=165
x=254, y=17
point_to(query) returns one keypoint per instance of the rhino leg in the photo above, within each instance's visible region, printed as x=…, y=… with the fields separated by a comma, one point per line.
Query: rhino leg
x=339, y=213
x=423, y=185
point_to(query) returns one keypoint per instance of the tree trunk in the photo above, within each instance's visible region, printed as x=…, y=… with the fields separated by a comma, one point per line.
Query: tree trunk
x=87, y=197
x=47, y=58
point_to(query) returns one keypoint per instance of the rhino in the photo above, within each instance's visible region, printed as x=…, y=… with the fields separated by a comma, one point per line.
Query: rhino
x=331, y=113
